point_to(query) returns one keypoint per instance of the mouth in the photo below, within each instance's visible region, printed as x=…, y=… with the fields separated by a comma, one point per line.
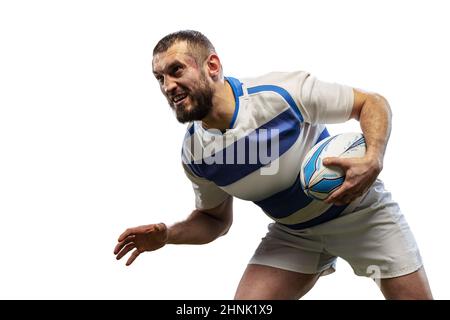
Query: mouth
x=179, y=98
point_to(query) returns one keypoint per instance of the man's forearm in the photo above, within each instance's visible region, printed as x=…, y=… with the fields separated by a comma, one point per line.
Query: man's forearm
x=198, y=228
x=375, y=121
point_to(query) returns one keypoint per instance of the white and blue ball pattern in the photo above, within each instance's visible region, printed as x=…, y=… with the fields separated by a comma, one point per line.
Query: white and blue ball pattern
x=319, y=181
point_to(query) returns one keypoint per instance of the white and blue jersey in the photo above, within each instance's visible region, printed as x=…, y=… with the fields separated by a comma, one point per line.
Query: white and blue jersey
x=278, y=118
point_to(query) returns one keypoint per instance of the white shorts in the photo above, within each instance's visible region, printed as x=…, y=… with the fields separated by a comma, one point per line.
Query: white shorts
x=375, y=240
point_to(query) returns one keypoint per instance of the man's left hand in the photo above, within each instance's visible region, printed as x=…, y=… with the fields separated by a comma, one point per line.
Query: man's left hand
x=360, y=174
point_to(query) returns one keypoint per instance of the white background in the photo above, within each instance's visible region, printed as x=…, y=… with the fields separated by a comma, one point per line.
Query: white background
x=89, y=147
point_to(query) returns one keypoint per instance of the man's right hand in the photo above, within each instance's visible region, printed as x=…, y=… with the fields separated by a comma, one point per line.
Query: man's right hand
x=143, y=238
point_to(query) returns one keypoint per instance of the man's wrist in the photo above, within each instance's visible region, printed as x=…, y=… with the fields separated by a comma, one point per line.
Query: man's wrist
x=376, y=159
x=170, y=235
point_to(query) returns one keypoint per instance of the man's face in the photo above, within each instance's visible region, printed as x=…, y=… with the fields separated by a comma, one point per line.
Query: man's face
x=183, y=82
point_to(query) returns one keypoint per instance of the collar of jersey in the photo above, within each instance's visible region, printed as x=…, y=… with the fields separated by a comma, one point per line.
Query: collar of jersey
x=236, y=86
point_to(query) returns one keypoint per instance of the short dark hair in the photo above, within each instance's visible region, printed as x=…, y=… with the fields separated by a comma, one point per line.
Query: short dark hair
x=200, y=45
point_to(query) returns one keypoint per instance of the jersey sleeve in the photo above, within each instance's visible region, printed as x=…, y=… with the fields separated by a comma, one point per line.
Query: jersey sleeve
x=324, y=102
x=207, y=194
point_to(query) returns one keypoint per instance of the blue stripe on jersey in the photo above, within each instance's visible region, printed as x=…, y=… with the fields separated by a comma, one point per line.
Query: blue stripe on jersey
x=323, y=135
x=236, y=86
x=191, y=130
x=286, y=202
x=189, y=133
x=224, y=174
x=290, y=200
x=328, y=215
x=282, y=92
x=195, y=170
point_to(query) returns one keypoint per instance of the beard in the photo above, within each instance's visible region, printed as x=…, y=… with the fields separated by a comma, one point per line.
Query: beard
x=200, y=103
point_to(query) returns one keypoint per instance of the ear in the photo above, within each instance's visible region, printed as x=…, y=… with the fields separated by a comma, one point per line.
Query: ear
x=214, y=67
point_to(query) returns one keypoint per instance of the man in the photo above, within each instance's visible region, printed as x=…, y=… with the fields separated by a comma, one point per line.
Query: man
x=359, y=222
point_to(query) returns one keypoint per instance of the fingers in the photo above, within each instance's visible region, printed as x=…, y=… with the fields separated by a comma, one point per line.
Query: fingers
x=343, y=189
x=121, y=244
x=125, y=250
x=130, y=232
x=142, y=229
x=334, y=161
x=337, y=196
x=133, y=257
x=125, y=234
x=139, y=238
x=343, y=201
x=359, y=176
x=344, y=195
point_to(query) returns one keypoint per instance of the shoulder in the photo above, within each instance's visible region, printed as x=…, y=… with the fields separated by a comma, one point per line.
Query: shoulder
x=277, y=78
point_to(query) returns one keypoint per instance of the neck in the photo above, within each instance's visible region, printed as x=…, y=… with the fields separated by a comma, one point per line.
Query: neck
x=223, y=108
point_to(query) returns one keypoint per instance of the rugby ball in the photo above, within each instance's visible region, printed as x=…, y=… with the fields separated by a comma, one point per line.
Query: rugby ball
x=319, y=181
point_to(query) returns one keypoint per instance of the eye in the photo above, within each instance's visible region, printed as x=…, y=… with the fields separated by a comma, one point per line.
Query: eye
x=177, y=70
x=160, y=79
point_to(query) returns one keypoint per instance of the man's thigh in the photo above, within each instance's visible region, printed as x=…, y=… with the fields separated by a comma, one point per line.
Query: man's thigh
x=413, y=286
x=263, y=283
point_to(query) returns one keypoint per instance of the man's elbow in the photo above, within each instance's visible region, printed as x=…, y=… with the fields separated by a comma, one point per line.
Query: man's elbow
x=379, y=100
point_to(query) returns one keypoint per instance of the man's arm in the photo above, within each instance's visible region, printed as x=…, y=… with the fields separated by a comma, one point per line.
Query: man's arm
x=202, y=226
x=374, y=115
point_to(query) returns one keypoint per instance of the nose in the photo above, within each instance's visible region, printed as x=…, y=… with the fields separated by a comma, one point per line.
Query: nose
x=169, y=84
